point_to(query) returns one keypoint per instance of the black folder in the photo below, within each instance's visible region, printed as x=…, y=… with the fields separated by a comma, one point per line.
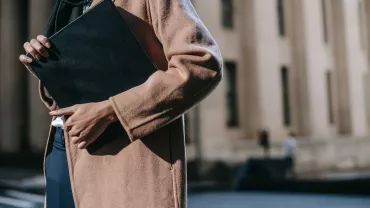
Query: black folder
x=92, y=58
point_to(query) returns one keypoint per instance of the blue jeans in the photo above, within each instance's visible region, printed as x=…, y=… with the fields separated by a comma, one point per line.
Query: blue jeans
x=58, y=187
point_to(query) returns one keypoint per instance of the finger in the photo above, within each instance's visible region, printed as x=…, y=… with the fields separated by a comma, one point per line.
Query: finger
x=86, y=138
x=73, y=131
x=68, y=122
x=72, y=134
x=75, y=136
x=76, y=139
x=40, y=48
x=26, y=62
x=29, y=49
x=25, y=59
x=82, y=145
x=44, y=40
x=63, y=111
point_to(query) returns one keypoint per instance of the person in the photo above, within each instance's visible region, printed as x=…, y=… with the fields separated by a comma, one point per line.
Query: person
x=264, y=141
x=145, y=166
x=289, y=148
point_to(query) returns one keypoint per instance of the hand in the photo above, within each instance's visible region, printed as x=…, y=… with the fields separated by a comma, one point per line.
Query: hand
x=36, y=47
x=86, y=122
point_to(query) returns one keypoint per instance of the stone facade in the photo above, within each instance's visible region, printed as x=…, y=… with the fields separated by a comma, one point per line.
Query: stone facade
x=325, y=49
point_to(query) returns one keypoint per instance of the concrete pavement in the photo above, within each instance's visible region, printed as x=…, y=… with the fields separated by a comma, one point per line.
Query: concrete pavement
x=24, y=189
x=275, y=200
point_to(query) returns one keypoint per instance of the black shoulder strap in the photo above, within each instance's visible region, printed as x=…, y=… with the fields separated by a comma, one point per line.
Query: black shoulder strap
x=51, y=27
x=64, y=12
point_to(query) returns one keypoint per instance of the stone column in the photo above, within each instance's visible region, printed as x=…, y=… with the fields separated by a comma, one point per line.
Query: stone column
x=343, y=119
x=367, y=24
x=250, y=111
x=39, y=119
x=367, y=77
x=268, y=58
x=301, y=119
x=13, y=126
x=366, y=82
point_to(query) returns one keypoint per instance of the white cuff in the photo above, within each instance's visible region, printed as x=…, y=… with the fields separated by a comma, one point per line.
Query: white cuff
x=58, y=122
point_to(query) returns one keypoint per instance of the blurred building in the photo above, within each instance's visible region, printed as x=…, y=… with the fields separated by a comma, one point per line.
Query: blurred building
x=24, y=120
x=290, y=65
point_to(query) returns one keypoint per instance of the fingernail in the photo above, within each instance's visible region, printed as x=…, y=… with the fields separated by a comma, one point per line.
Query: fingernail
x=48, y=45
x=29, y=60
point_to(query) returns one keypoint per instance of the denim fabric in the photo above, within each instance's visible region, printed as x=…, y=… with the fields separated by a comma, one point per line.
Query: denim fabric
x=58, y=187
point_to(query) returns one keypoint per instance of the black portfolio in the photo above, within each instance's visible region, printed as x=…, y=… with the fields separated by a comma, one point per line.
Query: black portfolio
x=92, y=58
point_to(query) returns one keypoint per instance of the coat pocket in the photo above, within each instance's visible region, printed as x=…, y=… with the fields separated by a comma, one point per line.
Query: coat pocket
x=159, y=143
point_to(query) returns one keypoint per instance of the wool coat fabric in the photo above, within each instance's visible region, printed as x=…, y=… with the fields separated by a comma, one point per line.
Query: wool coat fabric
x=145, y=166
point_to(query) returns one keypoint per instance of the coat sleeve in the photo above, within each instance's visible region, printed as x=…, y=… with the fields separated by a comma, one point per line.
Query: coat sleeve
x=44, y=95
x=46, y=98
x=194, y=70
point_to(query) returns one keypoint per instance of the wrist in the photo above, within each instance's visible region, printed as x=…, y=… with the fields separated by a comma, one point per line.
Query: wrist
x=109, y=112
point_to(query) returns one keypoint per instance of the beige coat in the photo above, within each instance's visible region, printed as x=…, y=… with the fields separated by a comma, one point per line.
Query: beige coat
x=145, y=167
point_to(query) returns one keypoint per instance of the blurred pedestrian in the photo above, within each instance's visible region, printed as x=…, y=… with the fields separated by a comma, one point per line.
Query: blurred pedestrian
x=264, y=142
x=145, y=166
x=289, y=148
